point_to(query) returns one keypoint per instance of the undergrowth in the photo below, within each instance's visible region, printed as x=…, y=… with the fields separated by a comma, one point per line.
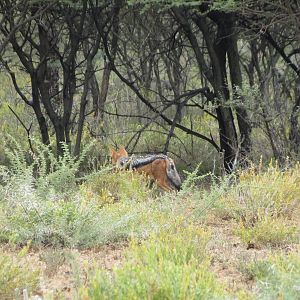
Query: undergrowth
x=278, y=277
x=170, y=265
x=108, y=186
x=15, y=276
x=44, y=200
x=265, y=205
x=41, y=176
x=41, y=202
x=269, y=232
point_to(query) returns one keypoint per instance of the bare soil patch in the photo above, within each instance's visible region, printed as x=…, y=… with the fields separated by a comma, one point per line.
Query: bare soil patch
x=229, y=256
x=64, y=270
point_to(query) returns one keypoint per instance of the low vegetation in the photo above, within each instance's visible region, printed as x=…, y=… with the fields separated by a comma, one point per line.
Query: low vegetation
x=170, y=265
x=277, y=277
x=16, y=276
x=167, y=234
x=265, y=203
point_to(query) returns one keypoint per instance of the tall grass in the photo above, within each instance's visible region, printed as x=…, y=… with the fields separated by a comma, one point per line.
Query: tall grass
x=265, y=204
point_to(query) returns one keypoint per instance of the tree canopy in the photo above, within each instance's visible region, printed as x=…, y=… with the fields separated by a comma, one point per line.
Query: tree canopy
x=72, y=65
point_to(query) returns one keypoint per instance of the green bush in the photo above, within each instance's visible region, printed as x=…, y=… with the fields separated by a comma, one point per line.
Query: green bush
x=109, y=186
x=170, y=265
x=81, y=222
x=53, y=223
x=269, y=231
x=42, y=176
x=16, y=275
x=257, y=194
x=40, y=201
x=264, y=204
x=277, y=277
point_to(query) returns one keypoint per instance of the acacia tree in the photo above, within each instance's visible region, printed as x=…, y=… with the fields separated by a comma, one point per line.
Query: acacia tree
x=56, y=43
x=216, y=29
x=277, y=24
x=13, y=33
x=220, y=25
x=49, y=49
x=136, y=76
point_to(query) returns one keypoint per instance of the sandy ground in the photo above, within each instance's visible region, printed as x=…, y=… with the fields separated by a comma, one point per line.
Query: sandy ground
x=64, y=270
x=229, y=256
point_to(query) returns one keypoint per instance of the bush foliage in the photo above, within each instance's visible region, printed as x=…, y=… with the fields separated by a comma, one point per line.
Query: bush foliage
x=278, y=277
x=16, y=276
x=46, y=201
x=265, y=204
x=170, y=265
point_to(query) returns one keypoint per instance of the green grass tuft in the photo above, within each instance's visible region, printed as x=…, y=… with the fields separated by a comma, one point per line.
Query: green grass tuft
x=16, y=276
x=170, y=265
x=277, y=277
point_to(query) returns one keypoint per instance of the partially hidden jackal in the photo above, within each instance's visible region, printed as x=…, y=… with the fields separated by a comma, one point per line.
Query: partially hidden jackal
x=159, y=167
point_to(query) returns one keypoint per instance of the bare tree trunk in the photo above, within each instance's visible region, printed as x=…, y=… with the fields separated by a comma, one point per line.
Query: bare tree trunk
x=227, y=131
x=217, y=78
x=88, y=77
x=103, y=90
x=47, y=85
x=83, y=103
x=38, y=112
x=294, y=135
x=95, y=91
x=107, y=65
x=237, y=81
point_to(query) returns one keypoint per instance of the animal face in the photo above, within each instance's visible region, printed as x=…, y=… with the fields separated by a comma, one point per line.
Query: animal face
x=116, y=155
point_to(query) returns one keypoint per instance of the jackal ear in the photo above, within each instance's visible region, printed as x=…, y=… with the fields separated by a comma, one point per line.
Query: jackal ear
x=122, y=151
x=112, y=153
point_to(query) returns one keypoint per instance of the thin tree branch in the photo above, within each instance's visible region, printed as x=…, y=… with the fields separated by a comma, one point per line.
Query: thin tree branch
x=25, y=127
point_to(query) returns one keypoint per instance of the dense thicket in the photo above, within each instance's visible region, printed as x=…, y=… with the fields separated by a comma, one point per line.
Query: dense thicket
x=81, y=68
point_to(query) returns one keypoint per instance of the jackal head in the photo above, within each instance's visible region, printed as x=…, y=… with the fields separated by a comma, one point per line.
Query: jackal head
x=116, y=155
x=172, y=174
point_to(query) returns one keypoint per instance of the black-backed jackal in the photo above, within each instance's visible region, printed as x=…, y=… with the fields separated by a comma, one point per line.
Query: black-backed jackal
x=159, y=167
